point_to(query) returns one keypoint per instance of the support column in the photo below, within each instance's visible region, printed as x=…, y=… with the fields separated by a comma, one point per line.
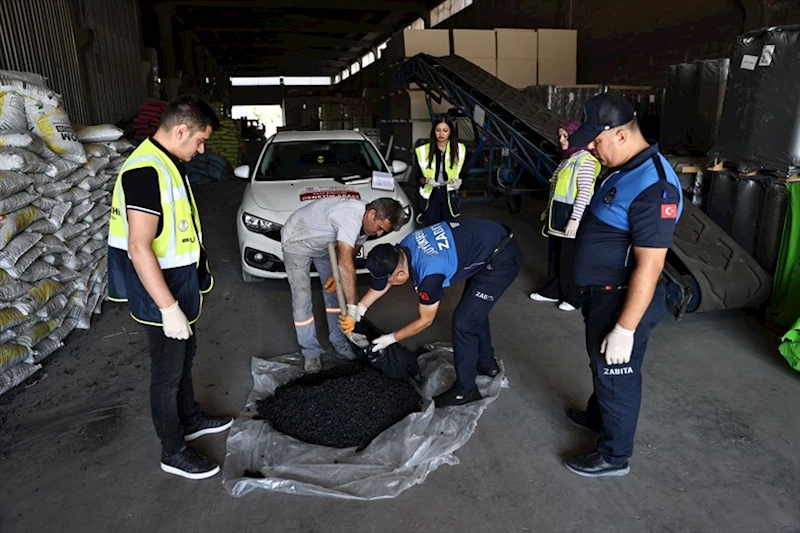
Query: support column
x=170, y=81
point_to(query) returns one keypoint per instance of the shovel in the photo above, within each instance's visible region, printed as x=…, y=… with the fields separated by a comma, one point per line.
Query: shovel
x=356, y=338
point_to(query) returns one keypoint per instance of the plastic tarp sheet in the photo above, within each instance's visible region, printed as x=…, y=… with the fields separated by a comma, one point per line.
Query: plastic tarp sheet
x=399, y=458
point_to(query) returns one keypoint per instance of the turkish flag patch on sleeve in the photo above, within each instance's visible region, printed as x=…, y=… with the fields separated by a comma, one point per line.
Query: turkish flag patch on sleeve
x=669, y=210
x=424, y=297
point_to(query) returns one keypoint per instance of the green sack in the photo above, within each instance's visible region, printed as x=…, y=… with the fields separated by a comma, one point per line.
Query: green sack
x=785, y=304
x=790, y=346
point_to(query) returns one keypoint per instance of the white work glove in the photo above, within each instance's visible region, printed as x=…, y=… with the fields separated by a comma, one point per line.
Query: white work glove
x=456, y=183
x=432, y=182
x=572, y=228
x=618, y=345
x=175, y=323
x=361, y=310
x=383, y=342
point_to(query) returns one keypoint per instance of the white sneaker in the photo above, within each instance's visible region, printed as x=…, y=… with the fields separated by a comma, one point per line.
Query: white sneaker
x=564, y=306
x=539, y=298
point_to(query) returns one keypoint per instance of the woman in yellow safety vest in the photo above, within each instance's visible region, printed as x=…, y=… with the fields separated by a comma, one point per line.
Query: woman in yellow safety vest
x=440, y=162
x=571, y=188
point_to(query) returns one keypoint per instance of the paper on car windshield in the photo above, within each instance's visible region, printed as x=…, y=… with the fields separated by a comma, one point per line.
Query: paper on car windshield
x=382, y=181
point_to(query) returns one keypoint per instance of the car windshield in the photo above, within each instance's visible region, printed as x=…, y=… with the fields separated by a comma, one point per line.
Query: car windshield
x=302, y=160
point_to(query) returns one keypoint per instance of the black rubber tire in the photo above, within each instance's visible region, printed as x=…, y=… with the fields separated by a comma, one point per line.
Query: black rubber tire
x=728, y=277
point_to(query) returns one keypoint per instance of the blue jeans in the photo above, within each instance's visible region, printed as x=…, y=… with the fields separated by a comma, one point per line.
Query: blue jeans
x=298, y=270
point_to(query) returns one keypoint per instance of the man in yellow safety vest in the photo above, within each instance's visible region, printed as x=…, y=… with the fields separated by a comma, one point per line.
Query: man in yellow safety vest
x=157, y=264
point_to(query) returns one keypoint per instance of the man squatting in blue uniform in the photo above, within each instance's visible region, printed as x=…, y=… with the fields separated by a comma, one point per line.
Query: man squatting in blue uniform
x=620, y=252
x=480, y=251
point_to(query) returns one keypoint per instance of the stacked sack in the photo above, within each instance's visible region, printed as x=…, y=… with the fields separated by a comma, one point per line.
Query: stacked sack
x=55, y=196
x=207, y=168
x=227, y=141
x=147, y=118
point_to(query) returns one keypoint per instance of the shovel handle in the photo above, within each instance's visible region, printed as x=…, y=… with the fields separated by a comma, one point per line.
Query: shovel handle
x=336, y=279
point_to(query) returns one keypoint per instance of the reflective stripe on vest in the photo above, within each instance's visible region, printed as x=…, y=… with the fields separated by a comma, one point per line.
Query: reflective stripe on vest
x=566, y=191
x=179, y=242
x=567, y=180
x=429, y=168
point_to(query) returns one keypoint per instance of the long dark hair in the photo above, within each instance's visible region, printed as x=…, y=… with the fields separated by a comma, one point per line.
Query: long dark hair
x=453, y=140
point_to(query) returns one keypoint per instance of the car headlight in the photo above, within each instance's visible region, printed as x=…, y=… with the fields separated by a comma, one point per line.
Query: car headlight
x=409, y=213
x=262, y=226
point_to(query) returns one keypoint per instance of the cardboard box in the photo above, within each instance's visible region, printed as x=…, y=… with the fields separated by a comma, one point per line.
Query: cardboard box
x=489, y=64
x=517, y=44
x=475, y=43
x=409, y=43
x=519, y=73
x=558, y=56
x=418, y=106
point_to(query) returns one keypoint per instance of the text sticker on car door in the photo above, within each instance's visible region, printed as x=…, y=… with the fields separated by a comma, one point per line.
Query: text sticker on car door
x=382, y=181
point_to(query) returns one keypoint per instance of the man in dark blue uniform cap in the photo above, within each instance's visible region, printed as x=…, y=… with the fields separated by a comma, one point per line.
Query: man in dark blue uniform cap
x=620, y=252
x=480, y=251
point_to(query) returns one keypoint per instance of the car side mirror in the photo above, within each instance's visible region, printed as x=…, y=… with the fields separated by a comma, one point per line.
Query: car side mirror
x=398, y=167
x=242, y=172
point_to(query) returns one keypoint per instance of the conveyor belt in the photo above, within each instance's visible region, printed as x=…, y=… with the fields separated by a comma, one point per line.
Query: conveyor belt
x=706, y=269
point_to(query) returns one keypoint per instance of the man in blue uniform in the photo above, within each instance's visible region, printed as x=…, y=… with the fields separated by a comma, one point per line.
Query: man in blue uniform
x=480, y=251
x=620, y=252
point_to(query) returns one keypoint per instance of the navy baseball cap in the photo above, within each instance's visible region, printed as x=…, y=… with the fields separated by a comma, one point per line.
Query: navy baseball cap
x=381, y=262
x=600, y=113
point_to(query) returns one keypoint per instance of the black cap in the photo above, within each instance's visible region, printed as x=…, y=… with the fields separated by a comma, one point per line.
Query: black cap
x=381, y=262
x=600, y=113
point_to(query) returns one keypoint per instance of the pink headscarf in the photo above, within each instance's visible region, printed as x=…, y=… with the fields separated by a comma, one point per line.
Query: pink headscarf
x=570, y=126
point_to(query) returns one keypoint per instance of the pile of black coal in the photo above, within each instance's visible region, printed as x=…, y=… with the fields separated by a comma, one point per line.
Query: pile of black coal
x=346, y=406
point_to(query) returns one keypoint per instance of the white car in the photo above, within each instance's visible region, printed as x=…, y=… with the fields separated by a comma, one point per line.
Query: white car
x=297, y=167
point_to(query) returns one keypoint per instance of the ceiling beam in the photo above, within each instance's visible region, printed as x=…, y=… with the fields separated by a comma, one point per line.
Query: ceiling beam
x=299, y=25
x=405, y=6
x=297, y=55
x=296, y=41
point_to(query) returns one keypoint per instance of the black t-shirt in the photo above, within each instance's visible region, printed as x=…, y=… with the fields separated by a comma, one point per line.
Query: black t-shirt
x=475, y=241
x=604, y=254
x=141, y=188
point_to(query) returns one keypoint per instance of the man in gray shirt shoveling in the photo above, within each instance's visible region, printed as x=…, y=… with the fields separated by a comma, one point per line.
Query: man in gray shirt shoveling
x=304, y=239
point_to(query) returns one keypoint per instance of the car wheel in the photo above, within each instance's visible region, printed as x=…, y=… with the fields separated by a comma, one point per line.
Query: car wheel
x=249, y=278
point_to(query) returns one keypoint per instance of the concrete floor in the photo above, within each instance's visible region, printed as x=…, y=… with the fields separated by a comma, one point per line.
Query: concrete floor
x=718, y=446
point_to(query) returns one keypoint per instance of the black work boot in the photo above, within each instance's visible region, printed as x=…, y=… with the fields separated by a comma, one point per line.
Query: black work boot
x=189, y=464
x=491, y=370
x=579, y=418
x=454, y=396
x=207, y=425
x=592, y=464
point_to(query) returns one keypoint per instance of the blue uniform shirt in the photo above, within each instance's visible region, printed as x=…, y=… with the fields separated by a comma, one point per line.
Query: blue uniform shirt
x=636, y=205
x=448, y=252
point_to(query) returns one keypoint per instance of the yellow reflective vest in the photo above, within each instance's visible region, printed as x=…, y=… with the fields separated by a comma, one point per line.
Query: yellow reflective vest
x=566, y=190
x=429, y=168
x=177, y=247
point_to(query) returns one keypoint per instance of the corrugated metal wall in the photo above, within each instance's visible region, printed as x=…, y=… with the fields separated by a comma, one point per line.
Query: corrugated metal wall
x=37, y=36
x=114, y=61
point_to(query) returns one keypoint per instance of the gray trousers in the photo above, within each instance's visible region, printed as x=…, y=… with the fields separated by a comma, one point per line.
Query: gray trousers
x=298, y=270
